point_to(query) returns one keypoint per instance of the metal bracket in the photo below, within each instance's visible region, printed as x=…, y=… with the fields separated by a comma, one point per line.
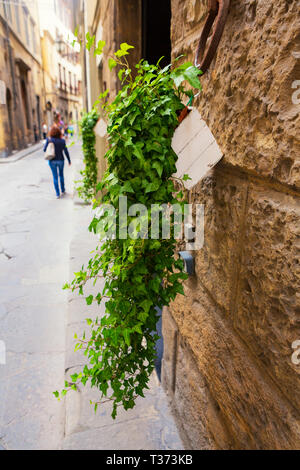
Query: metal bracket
x=218, y=10
x=189, y=263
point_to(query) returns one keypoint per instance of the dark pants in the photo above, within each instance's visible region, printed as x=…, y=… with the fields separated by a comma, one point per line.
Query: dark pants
x=57, y=168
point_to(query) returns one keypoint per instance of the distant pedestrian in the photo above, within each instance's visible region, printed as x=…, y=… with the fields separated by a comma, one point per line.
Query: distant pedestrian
x=45, y=131
x=59, y=123
x=57, y=163
x=66, y=131
x=71, y=130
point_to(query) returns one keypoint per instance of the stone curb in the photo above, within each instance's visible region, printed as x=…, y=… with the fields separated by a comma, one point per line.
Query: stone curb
x=22, y=153
x=150, y=424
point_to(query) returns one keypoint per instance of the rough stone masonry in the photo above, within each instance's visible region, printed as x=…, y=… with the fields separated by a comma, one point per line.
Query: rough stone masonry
x=228, y=344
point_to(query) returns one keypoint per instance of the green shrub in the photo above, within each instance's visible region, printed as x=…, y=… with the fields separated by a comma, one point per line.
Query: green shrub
x=140, y=274
x=86, y=187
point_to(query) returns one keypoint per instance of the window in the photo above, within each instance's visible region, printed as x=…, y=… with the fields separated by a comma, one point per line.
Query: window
x=65, y=78
x=25, y=16
x=7, y=10
x=70, y=82
x=59, y=75
x=17, y=15
x=33, y=36
x=75, y=85
x=156, y=45
x=25, y=103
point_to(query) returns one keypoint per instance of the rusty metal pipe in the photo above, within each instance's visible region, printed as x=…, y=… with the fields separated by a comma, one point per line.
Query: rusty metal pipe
x=218, y=12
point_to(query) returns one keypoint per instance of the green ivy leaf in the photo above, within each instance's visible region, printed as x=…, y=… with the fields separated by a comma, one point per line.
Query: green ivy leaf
x=89, y=299
x=151, y=187
x=126, y=334
x=99, y=48
x=124, y=47
x=187, y=72
x=89, y=41
x=111, y=63
x=127, y=188
x=141, y=120
x=146, y=304
x=159, y=168
x=121, y=73
x=191, y=75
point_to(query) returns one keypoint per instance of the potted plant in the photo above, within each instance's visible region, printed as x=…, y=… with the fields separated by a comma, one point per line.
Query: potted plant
x=140, y=273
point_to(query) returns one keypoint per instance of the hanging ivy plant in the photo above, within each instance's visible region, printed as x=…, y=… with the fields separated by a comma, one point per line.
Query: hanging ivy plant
x=86, y=188
x=140, y=274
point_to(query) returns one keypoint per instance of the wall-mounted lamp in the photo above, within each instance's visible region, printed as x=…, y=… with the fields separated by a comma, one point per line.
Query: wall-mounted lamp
x=189, y=262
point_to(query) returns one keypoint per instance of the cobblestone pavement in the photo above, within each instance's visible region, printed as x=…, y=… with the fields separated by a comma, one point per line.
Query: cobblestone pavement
x=42, y=242
x=35, y=230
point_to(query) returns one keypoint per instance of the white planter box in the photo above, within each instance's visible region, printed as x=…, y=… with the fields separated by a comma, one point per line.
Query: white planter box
x=196, y=147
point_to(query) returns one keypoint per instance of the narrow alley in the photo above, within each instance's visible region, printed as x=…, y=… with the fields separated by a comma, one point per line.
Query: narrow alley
x=149, y=287
x=43, y=241
x=34, y=249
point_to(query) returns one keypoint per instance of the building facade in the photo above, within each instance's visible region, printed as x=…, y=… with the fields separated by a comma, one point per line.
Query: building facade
x=21, y=80
x=116, y=21
x=40, y=74
x=228, y=364
x=61, y=62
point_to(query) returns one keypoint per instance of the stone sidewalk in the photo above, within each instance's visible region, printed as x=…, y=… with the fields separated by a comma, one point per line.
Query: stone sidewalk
x=16, y=156
x=35, y=234
x=149, y=425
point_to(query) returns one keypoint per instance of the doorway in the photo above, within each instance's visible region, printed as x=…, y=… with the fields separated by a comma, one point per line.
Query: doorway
x=156, y=31
x=25, y=104
x=38, y=115
x=10, y=120
x=156, y=43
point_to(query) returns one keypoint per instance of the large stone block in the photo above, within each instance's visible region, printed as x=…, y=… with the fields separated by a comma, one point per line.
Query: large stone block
x=247, y=93
x=256, y=413
x=224, y=197
x=268, y=309
x=194, y=404
x=187, y=17
x=169, y=331
x=191, y=400
x=177, y=21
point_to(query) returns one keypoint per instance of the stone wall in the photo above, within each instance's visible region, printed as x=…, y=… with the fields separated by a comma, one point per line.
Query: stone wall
x=17, y=59
x=228, y=344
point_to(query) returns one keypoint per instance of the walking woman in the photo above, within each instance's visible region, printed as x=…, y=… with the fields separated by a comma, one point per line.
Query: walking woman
x=57, y=163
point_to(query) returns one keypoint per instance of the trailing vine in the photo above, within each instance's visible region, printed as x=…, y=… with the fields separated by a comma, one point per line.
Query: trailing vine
x=140, y=273
x=87, y=186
